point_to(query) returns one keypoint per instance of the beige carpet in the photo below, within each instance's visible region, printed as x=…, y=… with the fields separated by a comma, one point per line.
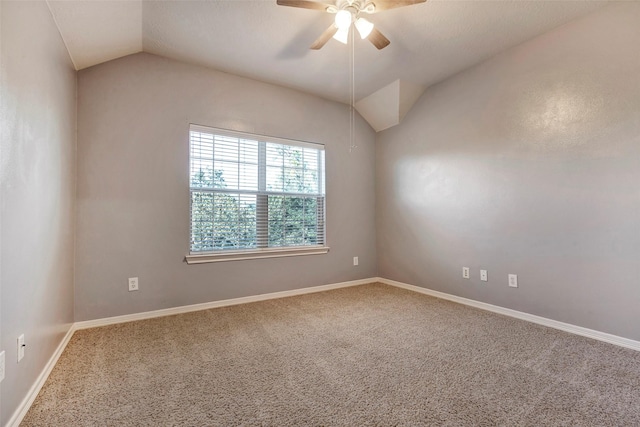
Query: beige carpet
x=370, y=355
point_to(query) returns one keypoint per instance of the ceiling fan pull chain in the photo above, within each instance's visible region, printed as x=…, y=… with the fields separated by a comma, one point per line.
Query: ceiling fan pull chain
x=352, y=113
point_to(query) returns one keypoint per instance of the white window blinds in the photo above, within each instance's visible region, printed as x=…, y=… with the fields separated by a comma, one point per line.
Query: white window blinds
x=253, y=192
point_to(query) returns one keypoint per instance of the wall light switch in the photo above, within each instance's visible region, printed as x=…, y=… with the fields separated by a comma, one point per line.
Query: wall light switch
x=513, y=280
x=133, y=284
x=2, y=365
x=483, y=275
x=465, y=272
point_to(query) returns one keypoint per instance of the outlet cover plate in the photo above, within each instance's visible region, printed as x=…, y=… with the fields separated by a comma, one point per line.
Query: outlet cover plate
x=21, y=347
x=133, y=284
x=483, y=275
x=465, y=272
x=513, y=280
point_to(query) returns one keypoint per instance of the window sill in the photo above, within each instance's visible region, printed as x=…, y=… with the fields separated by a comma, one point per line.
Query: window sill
x=201, y=258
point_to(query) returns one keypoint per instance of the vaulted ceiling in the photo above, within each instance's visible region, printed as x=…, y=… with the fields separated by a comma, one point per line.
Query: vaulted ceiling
x=260, y=40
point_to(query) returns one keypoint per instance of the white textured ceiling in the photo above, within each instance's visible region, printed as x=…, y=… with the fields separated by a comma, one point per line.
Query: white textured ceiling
x=258, y=39
x=96, y=31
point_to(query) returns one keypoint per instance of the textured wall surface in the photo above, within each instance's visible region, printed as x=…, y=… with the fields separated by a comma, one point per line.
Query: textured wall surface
x=38, y=121
x=133, y=186
x=529, y=164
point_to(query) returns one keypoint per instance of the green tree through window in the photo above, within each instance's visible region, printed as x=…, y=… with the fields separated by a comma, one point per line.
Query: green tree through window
x=248, y=193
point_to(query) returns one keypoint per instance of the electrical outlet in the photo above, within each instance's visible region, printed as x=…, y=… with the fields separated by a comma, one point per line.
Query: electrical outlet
x=483, y=275
x=513, y=280
x=2, y=364
x=21, y=347
x=355, y=260
x=133, y=284
x=465, y=272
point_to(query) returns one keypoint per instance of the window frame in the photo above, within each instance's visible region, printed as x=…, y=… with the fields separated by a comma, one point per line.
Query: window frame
x=198, y=257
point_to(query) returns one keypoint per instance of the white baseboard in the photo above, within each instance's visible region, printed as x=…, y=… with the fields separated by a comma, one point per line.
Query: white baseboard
x=26, y=403
x=214, y=304
x=567, y=327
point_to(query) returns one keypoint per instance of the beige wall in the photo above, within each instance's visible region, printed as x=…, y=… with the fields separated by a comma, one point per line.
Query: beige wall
x=530, y=164
x=133, y=187
x=37, y=171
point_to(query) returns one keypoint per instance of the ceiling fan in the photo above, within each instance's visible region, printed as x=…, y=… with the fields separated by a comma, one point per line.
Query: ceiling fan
x=348, y=12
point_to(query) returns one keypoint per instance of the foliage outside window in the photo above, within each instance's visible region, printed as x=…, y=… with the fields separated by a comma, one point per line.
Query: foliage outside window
x=252, y=193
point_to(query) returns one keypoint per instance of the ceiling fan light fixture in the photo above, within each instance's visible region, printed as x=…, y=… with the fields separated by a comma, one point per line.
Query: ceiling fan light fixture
x=342, y=35
x=364, y=27
x=343, y=20
x=347, y=13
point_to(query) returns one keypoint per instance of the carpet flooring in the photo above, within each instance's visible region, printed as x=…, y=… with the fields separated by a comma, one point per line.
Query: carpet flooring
x=370, y=355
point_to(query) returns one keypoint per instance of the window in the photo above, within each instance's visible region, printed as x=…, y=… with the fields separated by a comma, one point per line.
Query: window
x=254, y=196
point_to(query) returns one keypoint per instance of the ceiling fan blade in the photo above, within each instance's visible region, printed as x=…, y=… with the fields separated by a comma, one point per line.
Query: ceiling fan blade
x=392, y=4
x=305, y=4
x=378, y=39
x=324, y=37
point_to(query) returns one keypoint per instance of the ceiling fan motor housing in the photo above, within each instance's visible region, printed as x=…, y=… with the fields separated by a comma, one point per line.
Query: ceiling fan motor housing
x=353, y=6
